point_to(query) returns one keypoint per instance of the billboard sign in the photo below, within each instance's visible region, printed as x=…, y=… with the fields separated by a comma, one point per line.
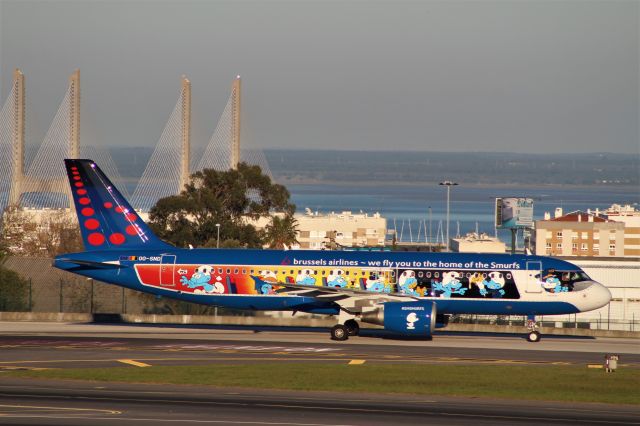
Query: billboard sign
x=514, y=212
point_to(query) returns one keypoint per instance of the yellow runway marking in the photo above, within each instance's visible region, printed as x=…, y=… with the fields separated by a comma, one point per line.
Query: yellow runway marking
x=594, y=366
x=132, y=362
x=289, y=357
x=357, y=362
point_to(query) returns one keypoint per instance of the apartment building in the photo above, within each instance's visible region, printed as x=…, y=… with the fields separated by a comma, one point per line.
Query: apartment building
x=325, y=231
x=631, y=219
x=578, y=233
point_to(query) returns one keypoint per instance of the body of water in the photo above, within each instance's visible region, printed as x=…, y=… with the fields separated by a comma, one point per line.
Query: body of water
x=470, y=206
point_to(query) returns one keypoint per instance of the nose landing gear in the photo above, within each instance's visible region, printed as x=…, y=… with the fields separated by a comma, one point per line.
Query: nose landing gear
x=534, y=335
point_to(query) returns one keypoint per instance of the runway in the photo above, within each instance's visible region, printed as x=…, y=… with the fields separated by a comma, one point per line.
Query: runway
x=75, y=403
x=55, y=345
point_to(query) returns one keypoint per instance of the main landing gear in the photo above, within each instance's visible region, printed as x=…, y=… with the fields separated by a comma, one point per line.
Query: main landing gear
x=348, y=327
x=341, y=332
x=534, y=335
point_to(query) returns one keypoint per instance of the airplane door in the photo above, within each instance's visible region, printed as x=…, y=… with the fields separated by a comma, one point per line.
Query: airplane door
x=534, y=283
x=167, y=268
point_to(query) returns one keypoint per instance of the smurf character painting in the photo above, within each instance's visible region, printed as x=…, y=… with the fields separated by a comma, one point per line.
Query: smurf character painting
x=407, y=283
x=450, y=285
x=493, y=285
x=200, y=281
x=305, y=277
x=552, y=284
x=477, y=279
x=268, y=276
x=336, y=278
x=412, y=318
x=265, y=281
x=267, y=288
x=375, y=283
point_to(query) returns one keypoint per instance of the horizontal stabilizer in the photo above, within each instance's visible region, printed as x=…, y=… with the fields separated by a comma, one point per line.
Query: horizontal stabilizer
x=102, y=265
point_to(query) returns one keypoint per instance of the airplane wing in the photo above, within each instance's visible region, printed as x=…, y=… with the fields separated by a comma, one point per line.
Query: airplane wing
x=349, y=299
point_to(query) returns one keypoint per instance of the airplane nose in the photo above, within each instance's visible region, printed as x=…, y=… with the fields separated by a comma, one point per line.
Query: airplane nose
x=600, y=294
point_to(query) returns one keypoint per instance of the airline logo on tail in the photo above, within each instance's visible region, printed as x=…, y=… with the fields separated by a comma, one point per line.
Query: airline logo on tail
x=107, y=221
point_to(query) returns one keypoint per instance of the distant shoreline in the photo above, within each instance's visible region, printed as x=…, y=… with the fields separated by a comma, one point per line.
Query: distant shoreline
x=372, y=183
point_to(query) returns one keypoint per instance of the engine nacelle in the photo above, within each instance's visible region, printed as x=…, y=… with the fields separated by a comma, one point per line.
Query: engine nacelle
x=407, y=318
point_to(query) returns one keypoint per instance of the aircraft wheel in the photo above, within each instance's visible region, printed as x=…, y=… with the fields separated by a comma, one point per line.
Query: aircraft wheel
x=352, y=327
x=339, y=332
x=534, y=336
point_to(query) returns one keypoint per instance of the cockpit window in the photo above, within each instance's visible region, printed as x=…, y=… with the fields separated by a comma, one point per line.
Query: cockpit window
x=555, y=281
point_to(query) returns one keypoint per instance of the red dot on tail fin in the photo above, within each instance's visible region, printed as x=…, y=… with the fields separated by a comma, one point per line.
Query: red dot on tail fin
x=91, y=224
x=117, y=238
x=95, y=239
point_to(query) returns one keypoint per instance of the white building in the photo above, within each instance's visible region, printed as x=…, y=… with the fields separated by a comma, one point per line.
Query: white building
x=622, y=278
x=477, y=243
x=320, y=231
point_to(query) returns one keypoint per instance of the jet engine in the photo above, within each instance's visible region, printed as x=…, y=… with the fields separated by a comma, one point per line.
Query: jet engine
x=408, y=318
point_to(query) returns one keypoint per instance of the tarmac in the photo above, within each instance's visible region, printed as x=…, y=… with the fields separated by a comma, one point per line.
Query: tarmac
x=27, y=345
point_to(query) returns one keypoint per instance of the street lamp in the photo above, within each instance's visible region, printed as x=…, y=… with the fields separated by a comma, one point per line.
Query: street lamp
x=448, y=184
x=218, y=238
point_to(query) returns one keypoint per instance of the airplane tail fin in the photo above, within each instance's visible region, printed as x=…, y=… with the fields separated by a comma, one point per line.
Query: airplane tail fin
x=107, y=221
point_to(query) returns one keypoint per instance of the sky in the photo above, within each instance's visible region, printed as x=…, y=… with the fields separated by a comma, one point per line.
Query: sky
x=515, y=76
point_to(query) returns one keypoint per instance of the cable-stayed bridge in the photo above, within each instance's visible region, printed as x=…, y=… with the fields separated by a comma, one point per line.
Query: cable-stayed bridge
x=39, y=181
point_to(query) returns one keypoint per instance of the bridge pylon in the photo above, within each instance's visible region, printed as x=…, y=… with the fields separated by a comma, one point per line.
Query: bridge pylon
x=17, y=138
x=45, y=182
x=235, y=123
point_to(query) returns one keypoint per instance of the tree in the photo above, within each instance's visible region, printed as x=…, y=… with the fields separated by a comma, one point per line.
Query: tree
x=50, y=233
x=230, y=198
x=281, y=232
x=14, y=289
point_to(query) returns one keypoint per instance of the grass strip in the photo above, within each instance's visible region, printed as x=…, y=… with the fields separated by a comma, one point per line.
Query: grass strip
x=551, y=383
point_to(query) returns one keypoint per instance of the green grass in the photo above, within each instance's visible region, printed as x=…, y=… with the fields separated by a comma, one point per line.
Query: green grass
x=553, y=383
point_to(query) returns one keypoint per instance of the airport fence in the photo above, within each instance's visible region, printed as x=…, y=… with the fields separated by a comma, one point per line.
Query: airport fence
x=598, y=322
x=32, y=284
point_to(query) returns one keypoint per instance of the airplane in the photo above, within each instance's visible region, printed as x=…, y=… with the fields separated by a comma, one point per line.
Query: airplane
x=408, y=293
